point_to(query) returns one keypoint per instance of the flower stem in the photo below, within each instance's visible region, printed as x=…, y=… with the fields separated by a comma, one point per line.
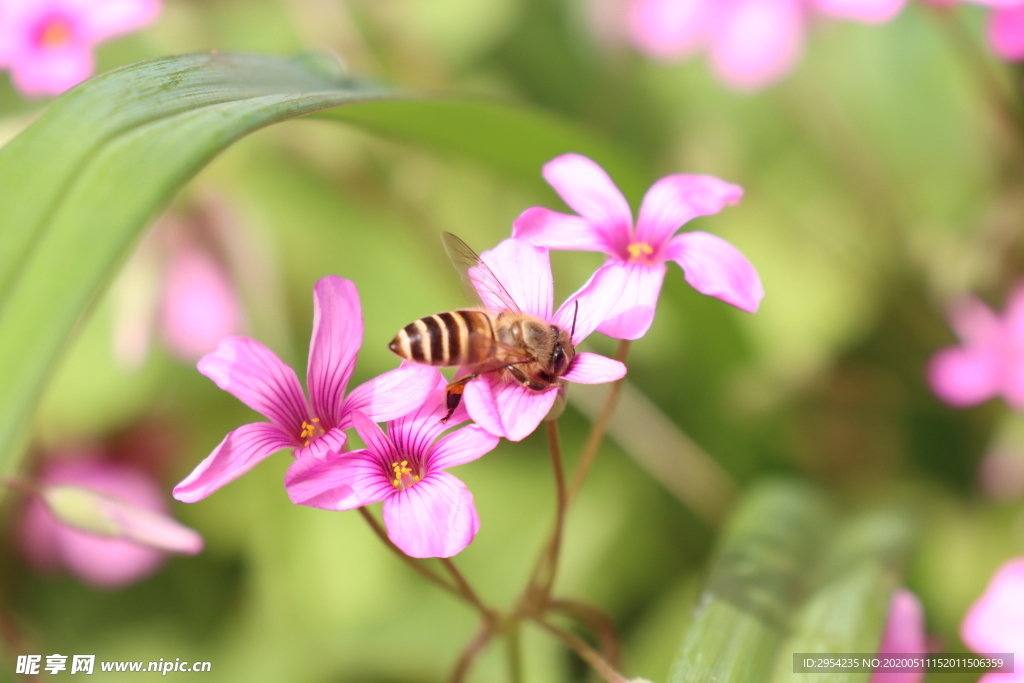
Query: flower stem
x=515, y=651
x=598, y=663
x=597, y=432
x=599, y=622
x=489, y=615
x=472, y=651
x=428, y=573
x=561, y=505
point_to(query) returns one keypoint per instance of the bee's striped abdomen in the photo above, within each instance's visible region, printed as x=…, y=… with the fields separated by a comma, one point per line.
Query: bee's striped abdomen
x=450, y=338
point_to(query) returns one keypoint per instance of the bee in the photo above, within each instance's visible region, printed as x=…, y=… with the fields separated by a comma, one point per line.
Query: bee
x=517, y=346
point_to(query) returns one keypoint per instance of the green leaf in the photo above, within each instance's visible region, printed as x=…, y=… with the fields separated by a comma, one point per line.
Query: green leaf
x=763, y=569
x=105, y=158
x=847, y=611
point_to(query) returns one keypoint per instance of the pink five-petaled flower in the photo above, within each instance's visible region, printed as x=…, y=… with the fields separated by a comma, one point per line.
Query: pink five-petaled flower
x=427, y=512
x=751, y=43
x=48, y=44
x=990, y=361
x=904, y=634
x=255, y=376
x=605, y=223
x=994, y=622
x=523, y=272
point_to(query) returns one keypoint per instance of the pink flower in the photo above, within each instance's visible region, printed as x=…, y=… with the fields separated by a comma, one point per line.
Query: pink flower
x=990, y=361
x=254, y=375
x=904, y=634
x=605, y=223
x=131, y=504
x=994, y=623
x=427, y=512
x=523, y=271
x=48, y=44
x=751, y=43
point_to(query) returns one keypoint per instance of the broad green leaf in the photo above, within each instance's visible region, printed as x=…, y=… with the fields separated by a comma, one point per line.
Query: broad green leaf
x=765, y=564
x=105, y=158
x=846, y=613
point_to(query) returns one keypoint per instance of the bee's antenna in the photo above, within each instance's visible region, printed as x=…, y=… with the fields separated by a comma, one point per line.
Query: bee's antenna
x=574, y=315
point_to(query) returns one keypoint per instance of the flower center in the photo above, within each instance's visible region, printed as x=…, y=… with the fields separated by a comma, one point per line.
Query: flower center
x=311, y=431
x=404, y=478
x=640, y=252
x=55, y=34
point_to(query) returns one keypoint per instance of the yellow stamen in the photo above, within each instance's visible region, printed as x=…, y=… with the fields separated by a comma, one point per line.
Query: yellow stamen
x=310, y=430
x=639, y=251
x=404, y=478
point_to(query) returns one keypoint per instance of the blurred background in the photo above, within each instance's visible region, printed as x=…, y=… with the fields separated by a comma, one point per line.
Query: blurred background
x=883, y=179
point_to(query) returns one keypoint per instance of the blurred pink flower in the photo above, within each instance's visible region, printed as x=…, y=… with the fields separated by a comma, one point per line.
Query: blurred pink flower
x=427, y=512
x=257, y=377
x=904, y=634
x=990, y=360
x=130, y=501
x=995, y=622
x=48, y=44
x=200, y=306
x=523, y=270
x=605, y=223
x=1006, y=30
x=751, y=43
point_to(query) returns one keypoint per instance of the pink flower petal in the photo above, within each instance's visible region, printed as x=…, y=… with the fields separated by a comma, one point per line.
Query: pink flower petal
x=507, y=409
x=714, y=267
x=870, y=11
x=346, y=482
x=51, y=72
x=105, y=19
x=377, y=442
x=585, y=187
x=904, y=634
x=757, y=42
x=670, y=29
x=521, y=269
x=1006, y=33
x=965, y=376
x=974, y=322
x=239, y=452
x=152, y=529
x=460, y=447
x=254, y=375
x=554, y=230
x=593, y=368
x=994, y=623
x=435, y=517
x=391, y=395
x=678, y=199
x=200, y=306
x=1013, y=319
x=337, y=336
x=596, y=299
x=106, y=562
x=633, y=314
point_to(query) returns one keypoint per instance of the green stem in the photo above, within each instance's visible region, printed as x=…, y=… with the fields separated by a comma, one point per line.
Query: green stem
x=515, y=651
x=598, y=663
x=598, y=430
x=472, y=651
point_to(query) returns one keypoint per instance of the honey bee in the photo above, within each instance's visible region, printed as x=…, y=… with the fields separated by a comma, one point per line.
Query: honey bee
x=518, y=346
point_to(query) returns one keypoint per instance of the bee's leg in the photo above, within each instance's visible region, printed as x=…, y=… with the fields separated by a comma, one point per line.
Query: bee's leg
x=454, y=396
x=524, y=380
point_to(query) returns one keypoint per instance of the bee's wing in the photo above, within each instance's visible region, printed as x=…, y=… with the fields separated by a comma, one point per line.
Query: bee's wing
x=481, y=279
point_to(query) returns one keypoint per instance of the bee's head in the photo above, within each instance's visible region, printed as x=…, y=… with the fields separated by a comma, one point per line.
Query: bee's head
x=562, y=351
